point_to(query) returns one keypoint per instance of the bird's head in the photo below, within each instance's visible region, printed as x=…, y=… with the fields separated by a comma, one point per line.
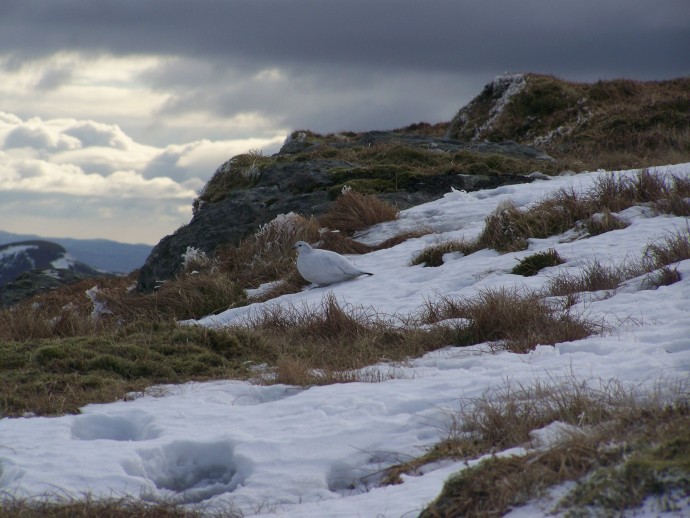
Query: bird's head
x=301, y=246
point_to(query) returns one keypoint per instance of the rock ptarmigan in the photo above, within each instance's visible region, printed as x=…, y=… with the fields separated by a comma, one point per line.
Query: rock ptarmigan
x=323, y=267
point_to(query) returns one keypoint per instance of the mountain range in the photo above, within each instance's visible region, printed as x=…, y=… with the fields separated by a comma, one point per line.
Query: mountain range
x=101, y=254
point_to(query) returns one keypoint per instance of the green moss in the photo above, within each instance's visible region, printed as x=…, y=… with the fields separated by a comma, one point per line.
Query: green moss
x=532, y=264
x=661, y=469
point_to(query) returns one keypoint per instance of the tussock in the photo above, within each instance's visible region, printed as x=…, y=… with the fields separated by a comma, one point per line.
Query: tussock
x=432, y=255
x=321, y=344
x=508, y=228
x=509, y=319
x=353, y=211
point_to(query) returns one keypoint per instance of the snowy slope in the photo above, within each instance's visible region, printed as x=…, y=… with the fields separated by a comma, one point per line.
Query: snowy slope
x=314, y=452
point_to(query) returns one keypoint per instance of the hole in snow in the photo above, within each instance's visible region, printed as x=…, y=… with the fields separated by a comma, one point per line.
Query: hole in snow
x=133, y=427
x=348, y=478
x=192, y=471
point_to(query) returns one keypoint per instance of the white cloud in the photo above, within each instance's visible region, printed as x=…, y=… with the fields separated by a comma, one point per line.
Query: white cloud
x=93, y=172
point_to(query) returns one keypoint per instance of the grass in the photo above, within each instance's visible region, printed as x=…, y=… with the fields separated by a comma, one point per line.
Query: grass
x=101, y=508
x=324, y=344
x=658, y=265
x=509, y=319
x=56, y=355
x=239, y=172
x=509, y=228
x=432, y=255
x=608, y=124
x=622, y=447
x=57, y=376
x=353, y=211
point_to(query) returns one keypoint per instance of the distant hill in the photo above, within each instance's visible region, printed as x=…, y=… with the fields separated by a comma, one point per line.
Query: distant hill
x=102, y=254
x=23, y=256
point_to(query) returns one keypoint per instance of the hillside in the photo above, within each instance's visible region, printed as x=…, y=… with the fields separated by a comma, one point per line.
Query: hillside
x=517, y=126
x=445, y=387
x=620, y=123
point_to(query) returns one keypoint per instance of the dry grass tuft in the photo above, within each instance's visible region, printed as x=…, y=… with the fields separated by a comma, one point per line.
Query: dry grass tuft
x=658, y=263
x=673, y=248
x=432, y=255
x=508, y=228
x=353, y=211
x=340, y=243
x=603, y=222
x=320, y=344
x=595, y=276
x=509, y=319
x=267, y=255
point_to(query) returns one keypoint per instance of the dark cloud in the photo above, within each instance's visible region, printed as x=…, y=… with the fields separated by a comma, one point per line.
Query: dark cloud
x=646, y=38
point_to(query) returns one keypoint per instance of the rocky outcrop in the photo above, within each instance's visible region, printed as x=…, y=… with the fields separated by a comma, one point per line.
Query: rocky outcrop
x=305, y=185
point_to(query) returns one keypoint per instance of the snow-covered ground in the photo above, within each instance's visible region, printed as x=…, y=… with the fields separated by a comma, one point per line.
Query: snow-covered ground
x=314, y=452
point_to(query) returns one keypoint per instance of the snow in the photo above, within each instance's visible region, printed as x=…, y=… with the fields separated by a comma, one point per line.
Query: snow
x=317, y=451
x=9, y=254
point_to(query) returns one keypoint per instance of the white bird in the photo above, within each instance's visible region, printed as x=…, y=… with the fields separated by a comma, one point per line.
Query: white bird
x=324, y=267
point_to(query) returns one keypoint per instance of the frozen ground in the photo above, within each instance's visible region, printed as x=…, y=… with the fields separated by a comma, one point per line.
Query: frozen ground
x=316, y=452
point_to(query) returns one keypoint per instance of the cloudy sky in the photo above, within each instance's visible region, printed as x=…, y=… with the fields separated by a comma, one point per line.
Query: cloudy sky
x=114, y=113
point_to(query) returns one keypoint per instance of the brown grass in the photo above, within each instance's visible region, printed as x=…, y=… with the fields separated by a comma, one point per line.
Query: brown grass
x=353, y=211
x=91, y=507
x=317, y=345
x=595, y=276
x=658, y=263
x=508, y=228
x=603, y=222
x=608, y=124
x=267, y=255
x=432, y=255
x=510, y=319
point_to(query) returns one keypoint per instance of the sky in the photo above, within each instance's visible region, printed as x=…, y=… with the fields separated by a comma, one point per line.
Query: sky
x=115, y=113
x=310, y=452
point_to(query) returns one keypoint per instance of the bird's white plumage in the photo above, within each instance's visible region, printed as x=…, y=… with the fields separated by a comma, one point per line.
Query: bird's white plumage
x=324, y=267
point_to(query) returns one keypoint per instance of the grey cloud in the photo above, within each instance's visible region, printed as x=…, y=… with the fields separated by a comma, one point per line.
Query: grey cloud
x=38, y=138
x=54, y=77
x=452, y=35
x=166, y=165
x=95, y=134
